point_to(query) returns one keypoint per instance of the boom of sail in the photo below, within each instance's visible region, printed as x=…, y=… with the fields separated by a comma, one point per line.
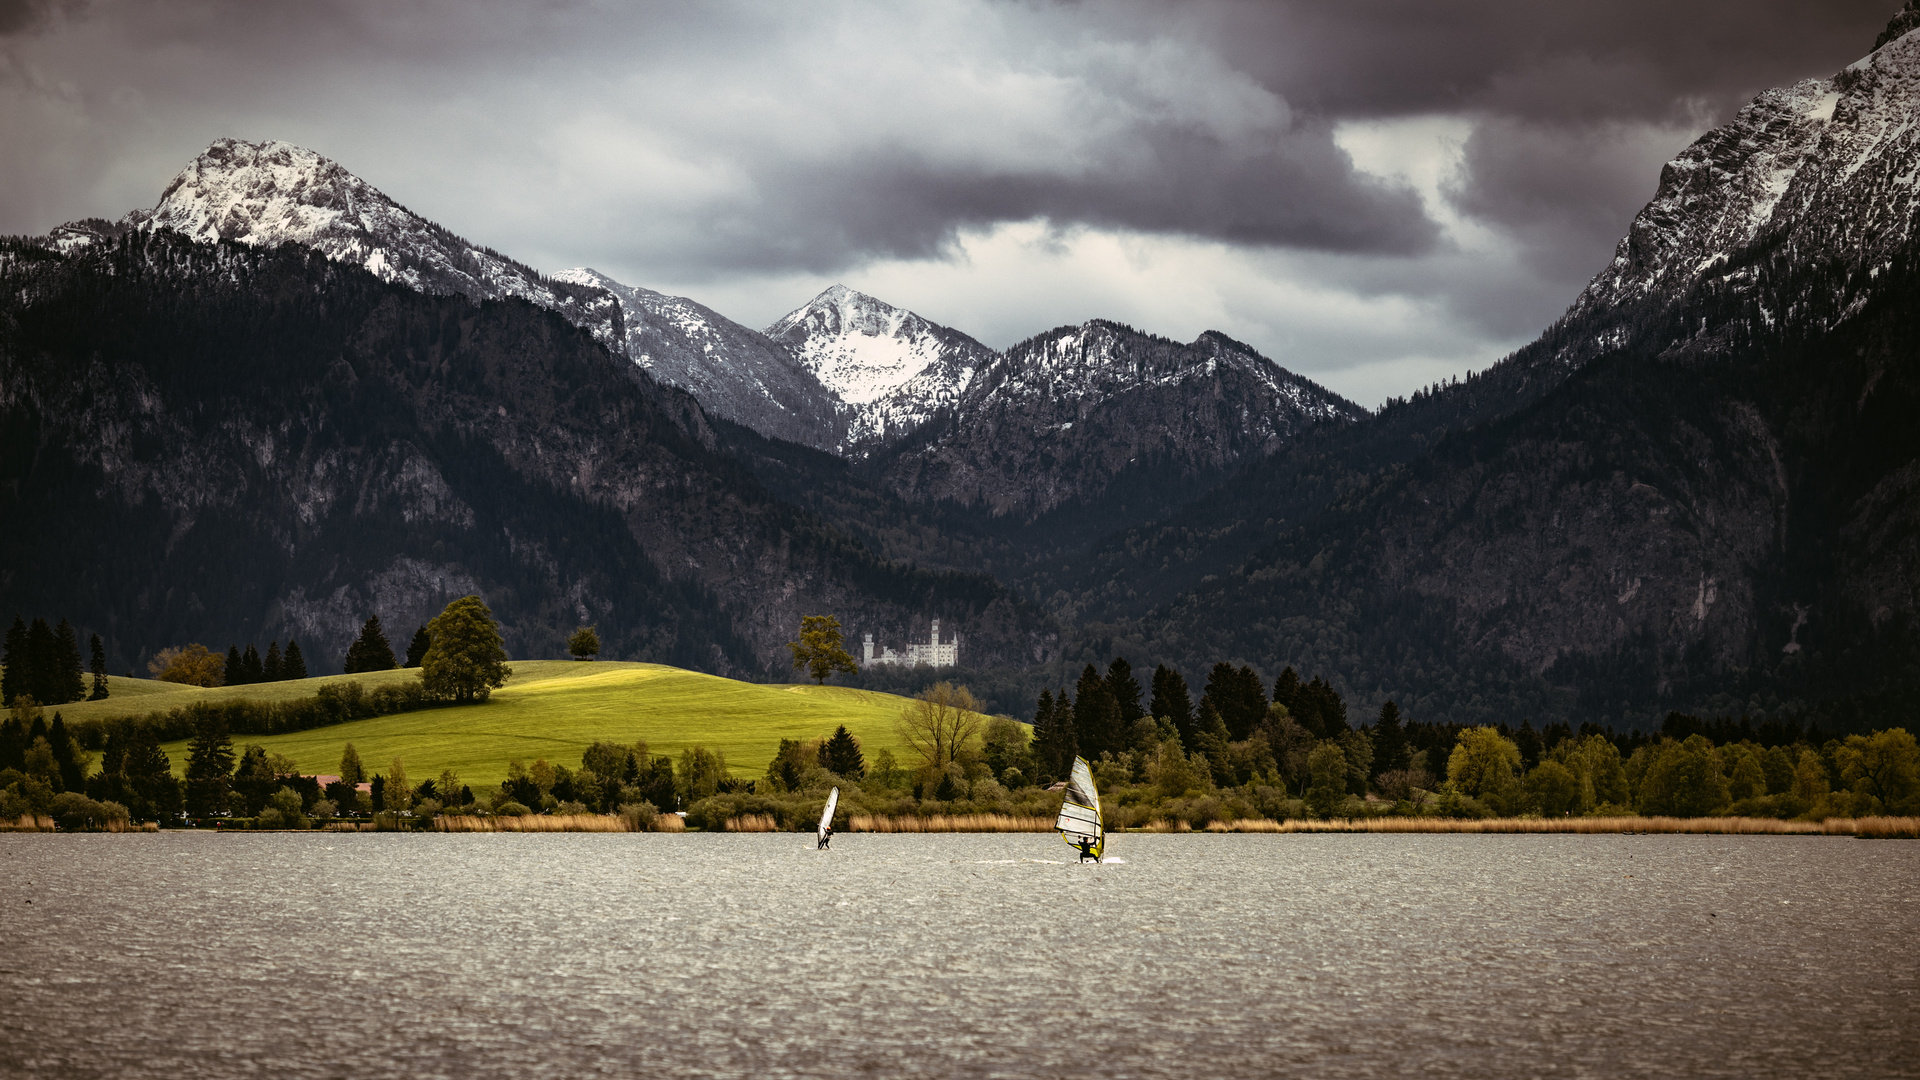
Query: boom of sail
x=826, y=817
x=1079, y=818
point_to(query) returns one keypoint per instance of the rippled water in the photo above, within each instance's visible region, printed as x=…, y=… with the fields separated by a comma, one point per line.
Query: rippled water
x=753, y=955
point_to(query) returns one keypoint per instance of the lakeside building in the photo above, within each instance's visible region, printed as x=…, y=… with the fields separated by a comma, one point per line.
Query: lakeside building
x=930, y=653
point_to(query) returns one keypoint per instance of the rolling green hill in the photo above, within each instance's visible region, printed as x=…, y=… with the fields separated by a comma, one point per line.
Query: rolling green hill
x=551, y=709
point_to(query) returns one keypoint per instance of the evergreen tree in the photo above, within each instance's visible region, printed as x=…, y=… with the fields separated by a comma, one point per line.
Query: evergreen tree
x=293, y=665
x=1055, y=742
x=66, y=679
x=1286, y=690
x=1172, y=701
x=416, y=649
x=17, y=681
x=253, y=779
x=13, y=744
x=1390, y=751
x=149, y=777
x=467, y=659
x=42, y=648
x=270, y=666
x=1125, y=690
x=841, y=756
x=64, y=757
x=351, y=771
x=1210, y=739
x=370, y=651
x=250, y=663
x=1096, y=716
x=1236, y=694
x=209, y=767
x=99, y=671
x=236, y=674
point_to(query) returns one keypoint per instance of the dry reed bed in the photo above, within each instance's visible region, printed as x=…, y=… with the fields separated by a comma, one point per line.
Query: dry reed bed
x=554, y=823
x=1743, y=826
x=949, y=823
x=27, y=823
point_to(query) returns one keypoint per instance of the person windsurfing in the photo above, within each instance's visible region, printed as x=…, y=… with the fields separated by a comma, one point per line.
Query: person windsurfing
x=825, y=829
x=1086, y=849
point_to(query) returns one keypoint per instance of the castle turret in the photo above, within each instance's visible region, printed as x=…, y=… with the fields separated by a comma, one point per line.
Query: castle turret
x=936, y=632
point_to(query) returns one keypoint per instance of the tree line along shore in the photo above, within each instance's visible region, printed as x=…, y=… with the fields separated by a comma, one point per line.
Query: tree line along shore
x=1241, y=758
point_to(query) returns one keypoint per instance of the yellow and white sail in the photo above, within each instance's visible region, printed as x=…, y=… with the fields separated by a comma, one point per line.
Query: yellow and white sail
x=826, y=816
x=1080, y=814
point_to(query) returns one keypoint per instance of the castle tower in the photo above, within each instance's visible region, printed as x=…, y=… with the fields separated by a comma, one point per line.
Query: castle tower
x=866, y=648
x=936, y=631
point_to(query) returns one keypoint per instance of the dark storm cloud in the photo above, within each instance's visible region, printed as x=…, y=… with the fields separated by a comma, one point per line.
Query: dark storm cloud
x=746, y=148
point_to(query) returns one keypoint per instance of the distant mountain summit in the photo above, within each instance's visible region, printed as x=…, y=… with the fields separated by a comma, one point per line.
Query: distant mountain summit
x=1064, y=416
x=893, y=368
x=268, y=193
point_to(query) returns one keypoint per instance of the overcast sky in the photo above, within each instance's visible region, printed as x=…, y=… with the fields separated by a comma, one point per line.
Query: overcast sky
x=1375, y=193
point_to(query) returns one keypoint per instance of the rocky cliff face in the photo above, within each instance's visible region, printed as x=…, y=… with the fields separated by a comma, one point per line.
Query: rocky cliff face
x=737, y=374
x=221, y=443
x=1064, y=416
x=894, y=369
x=1709, y=506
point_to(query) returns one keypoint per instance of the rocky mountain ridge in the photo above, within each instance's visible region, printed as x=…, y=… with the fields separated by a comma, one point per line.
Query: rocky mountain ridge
x=736, y=373
x=1064, y=415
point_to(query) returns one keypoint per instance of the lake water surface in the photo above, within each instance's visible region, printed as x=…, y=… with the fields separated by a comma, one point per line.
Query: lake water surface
x=377, y=955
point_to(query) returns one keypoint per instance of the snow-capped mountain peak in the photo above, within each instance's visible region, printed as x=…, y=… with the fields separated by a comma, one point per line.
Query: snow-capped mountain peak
x=894, y=368
x=272, y=192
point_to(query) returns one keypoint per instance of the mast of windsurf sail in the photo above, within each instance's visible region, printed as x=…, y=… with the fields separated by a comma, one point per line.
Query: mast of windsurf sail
x=826, y=816
x=1079, y=818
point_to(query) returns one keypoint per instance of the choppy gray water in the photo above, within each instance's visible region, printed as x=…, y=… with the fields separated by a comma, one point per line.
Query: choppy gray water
x=755, y=956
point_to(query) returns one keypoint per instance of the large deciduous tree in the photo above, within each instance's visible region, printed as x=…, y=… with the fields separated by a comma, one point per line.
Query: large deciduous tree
x=467, y=659
x=939, y=723
x=584, y=644
x=819, y=651
x=1483, y=762
x=190, y=665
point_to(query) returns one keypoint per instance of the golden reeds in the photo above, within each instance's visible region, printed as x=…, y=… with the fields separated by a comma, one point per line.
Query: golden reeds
x=948, y=823
x=28, y=823
x=550, y=823
x=1705, y=825
x=753, y=823
x=1887, y=828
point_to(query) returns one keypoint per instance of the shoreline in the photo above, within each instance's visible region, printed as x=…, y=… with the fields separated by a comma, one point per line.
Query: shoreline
x=1866, y=828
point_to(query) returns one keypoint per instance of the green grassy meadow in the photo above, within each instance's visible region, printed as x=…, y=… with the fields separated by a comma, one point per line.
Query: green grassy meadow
x=549, y=709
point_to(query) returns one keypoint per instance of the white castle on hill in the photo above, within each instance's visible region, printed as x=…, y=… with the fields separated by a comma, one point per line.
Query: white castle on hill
x=933, y=654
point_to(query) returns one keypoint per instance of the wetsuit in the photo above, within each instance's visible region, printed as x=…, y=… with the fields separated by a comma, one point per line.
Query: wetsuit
x=826, y=840
x=1086, y=851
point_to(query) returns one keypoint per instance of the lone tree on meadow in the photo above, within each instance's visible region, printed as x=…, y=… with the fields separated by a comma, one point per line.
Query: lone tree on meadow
x=467, y=659
x=820, y=650
x=584, y=644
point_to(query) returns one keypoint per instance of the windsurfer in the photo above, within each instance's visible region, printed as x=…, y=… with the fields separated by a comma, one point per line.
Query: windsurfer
x=826, y=837
x=1085, y=844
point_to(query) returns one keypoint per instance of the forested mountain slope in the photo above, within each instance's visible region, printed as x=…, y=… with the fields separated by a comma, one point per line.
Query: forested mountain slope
x=214, y=442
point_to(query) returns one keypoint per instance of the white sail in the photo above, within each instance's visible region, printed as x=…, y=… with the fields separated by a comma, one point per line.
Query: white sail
x=1080, y=812
x=826, y=816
